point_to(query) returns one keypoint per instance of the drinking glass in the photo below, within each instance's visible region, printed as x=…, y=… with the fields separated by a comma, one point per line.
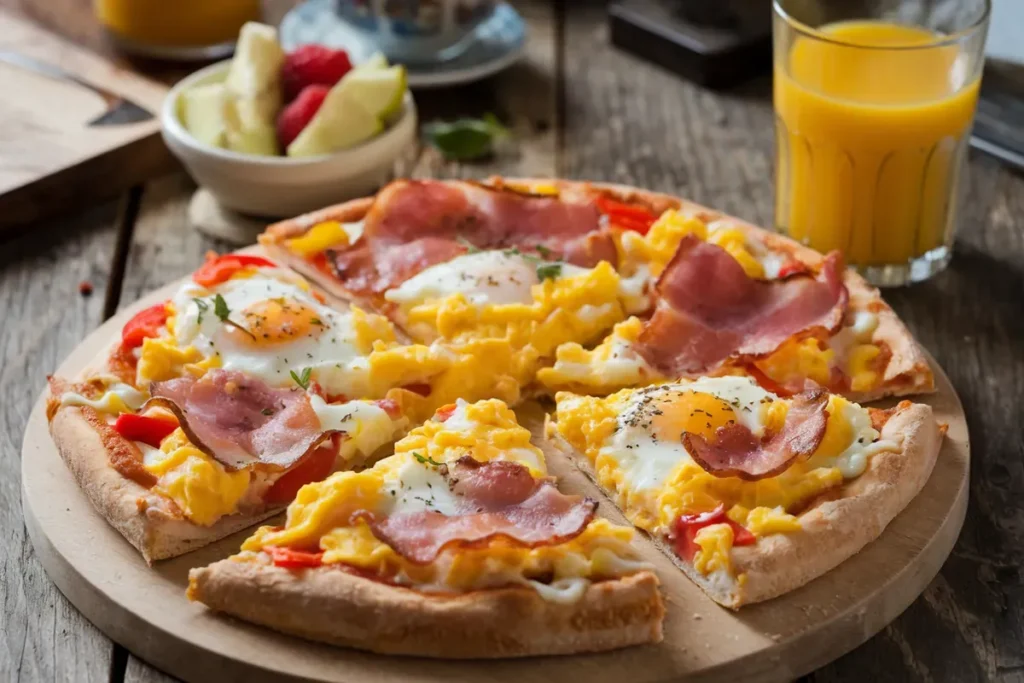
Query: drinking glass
x=176, y=29
x=874, y=102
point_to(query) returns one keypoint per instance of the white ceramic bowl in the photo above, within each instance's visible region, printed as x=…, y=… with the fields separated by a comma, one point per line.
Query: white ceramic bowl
x=283, y=186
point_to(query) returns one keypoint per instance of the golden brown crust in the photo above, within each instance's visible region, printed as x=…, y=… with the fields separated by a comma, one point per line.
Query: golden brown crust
x=147, y=520
x=330, y=605
x=835, y=527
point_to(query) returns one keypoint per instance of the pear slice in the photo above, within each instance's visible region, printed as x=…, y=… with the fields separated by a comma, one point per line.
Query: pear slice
x=342, y=122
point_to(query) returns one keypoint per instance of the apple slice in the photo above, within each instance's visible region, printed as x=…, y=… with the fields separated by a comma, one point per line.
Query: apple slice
x=379, y=90
x=340, y=123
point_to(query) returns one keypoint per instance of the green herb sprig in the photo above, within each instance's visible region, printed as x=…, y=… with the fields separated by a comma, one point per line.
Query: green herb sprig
x=426, y=460
x=302, y=379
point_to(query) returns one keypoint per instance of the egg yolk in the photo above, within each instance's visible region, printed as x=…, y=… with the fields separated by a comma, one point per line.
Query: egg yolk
x=692, y=412
x=276, y=321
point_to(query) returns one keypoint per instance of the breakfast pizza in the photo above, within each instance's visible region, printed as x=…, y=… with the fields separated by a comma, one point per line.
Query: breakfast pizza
x=752, y=495
x=696, y=293
x=459, y=545
x=706, y=374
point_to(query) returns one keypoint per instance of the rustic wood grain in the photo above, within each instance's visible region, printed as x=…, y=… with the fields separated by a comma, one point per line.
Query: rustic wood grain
x=631, y=122
x=42, y=637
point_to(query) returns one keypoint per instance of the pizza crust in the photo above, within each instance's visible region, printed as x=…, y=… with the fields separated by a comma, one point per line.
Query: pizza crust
x=330, y=605
x=834, y=528
x=140, y=515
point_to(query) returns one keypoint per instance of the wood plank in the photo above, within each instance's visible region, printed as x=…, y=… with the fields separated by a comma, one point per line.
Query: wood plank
x=629, y=122
x=42, y=637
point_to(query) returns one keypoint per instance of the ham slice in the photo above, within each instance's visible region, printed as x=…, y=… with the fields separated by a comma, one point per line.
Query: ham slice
x=709, y=310
x=238, y=420
x=496, y=500
x=736, y=452
x=416, y=224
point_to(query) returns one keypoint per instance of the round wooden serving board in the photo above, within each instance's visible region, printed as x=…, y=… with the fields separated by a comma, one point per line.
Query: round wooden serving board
x=145, y=609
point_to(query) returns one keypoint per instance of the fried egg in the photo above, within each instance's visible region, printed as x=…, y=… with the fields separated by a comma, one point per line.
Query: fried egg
x=270, y=326
x=482, y=277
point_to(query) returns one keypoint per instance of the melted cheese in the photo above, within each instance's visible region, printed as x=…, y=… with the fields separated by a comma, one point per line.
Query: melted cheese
x=118, y=398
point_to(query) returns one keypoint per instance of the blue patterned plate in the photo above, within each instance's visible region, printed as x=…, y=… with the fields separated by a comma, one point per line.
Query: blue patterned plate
x=498, y=43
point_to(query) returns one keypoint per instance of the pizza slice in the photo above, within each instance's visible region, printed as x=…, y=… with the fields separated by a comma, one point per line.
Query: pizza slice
x=734, y=299
x=752, y=495
x=215, y=406
x=457, y=546
x=457, y=263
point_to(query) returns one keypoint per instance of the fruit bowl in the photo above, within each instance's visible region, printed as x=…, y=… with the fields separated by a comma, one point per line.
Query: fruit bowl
x=278, y=186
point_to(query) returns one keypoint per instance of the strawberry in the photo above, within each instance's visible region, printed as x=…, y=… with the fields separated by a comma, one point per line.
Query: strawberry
x=312, y=65
x=299, y=113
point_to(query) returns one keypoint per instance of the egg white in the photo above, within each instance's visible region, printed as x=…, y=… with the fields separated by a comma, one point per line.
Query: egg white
x=483, y=277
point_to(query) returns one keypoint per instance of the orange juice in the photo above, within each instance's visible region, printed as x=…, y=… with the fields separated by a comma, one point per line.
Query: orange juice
x=177, y=23
x=871, y=139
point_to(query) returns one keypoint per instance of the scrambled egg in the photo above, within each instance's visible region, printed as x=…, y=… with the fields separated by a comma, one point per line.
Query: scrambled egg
x=197, y=483
x=608, y=367
x=409, y=481
x=633, y=439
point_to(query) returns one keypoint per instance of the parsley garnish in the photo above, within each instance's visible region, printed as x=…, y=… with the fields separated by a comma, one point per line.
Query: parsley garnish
x=221, y=310
x=426, y=460
x=203, y=308
x=543, y=251
x=302, y=379
x=267, y=411
x=549, y=270
x=316, y=321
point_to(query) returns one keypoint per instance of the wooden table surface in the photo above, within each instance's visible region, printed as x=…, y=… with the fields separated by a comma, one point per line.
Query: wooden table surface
x=578, y=108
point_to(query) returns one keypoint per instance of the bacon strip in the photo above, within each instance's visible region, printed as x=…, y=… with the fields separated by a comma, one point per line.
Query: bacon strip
x=238, y=420
x=710, y=310
x=416, y=224
x=497, y=500
x=736, y=452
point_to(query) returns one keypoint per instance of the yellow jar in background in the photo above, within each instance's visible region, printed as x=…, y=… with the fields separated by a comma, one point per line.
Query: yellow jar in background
x=177, y=29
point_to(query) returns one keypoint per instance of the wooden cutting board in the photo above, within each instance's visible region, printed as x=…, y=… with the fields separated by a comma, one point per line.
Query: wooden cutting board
x=145, y=609
x=50, y=159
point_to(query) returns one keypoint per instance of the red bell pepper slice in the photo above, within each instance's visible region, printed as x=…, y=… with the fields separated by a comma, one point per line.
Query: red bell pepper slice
x=626, y=216
x=444, y=412
x=148, y=430
x=146, y=323
x=293, y=559
x=218, y=269
x=792, y=268
x=686, y=527
x=314, y=467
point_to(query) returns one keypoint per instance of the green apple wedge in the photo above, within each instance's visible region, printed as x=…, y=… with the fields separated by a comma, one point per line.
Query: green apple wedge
x=380, y=90
x=342, y=122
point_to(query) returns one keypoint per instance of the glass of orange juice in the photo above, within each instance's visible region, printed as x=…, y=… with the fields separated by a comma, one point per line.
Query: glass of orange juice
x=176, y=29
x=874, y=103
